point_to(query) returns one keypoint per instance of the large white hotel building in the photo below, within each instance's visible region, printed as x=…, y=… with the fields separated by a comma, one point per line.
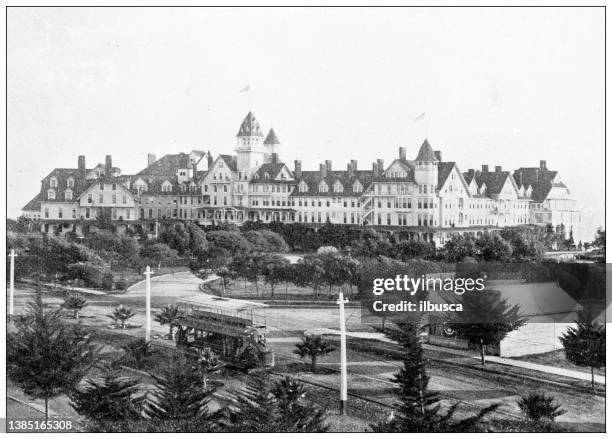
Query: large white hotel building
x=423, y=197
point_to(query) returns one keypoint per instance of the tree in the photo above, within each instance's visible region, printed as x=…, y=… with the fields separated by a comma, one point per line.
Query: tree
x=158, y=253
x=46, y=357
x=266, y=406
x=170, y=315
x=313, y=346
x=138, y=352
x=493, y=248
x=272, y=268
x=539, y=408
x=585, y=345
x=309, y=271
x=486, y=319
x=459, y=247
x=337, y=268
x=179, y=394
x=121, y=314
x=110, y=400
x=225, y=274
x=75, y=303
x=419, y=407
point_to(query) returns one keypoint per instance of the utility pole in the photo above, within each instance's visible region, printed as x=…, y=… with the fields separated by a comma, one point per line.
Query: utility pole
x=148, y=274
x=341, y=301
x=12, y=282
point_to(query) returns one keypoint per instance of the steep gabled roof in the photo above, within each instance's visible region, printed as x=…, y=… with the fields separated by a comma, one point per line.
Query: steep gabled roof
x=168, y=165
x=494, y=181
x=540, y=180
x=34, y=204
x=231, y=161
x=271, y=138
x=313, y=180
x=444, y=170
x=249, y=127
x=272, y=169
x=426, y=153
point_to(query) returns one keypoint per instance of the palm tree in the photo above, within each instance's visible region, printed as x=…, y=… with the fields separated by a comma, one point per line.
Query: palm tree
x=170, y=315
x=540, y=408
x=122, y=314
x=75, y=303
x=138, y=351
x=313, y=346
x=209, y=363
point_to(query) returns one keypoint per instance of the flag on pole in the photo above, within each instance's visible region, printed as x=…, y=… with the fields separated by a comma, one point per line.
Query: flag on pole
x=419, y=117
x=246, y=89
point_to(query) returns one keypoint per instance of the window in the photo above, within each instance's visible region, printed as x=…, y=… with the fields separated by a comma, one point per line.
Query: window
x=87, y=212
x=73, y=213
x=114, y=199
x=114, y=186
x=53, y=182
x=101, y=186
x=68, y=195
x=124, y=199
x=114, y=214
x=46, y=212
x=70, y=182
x=101, y=198
x=51, y=194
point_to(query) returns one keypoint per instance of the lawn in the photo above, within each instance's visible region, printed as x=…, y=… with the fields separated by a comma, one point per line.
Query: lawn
x=240, y=289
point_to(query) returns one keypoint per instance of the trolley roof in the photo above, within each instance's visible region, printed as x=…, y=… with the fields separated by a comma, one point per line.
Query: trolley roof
x=224, y=303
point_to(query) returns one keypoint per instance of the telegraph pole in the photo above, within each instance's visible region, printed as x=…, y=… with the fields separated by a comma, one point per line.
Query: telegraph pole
x=341, y=301
x=12, y=283
x=148, y=273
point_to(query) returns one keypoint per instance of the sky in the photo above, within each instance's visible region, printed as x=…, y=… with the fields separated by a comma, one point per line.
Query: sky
x=499, y=86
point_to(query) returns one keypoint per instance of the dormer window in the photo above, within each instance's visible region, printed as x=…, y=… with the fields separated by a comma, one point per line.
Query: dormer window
x=338, y=187
x=266, y=175
x=303, y=187
x=323, y=187
x=51, y=194
x=70, y=182
x=68, y=195
x=357, y=187
x=166, y=187
x=283, y=177
x=53, y=182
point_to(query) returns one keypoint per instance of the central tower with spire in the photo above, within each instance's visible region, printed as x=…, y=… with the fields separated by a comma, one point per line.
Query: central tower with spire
x=249, y=148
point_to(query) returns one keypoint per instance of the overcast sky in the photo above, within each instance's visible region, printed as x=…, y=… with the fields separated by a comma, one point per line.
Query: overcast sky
x=499, y=86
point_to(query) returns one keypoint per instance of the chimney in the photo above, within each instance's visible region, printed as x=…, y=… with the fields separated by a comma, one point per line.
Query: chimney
x=402, y=152
x=349, y=168
x=438, y=155
x=274, y=157
x=209, y=158
x=328, y=165
x=381, y=166
x=470, y=171
x=322, y=170
x=151, y=159
x=375, y=169
x=354, y=165
x=520, y=178
x=543, y=165
x=485, y=168
x=498, y=169
x=195, y=170
x=298, y=169
x=108, y=164
x=82, y=163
